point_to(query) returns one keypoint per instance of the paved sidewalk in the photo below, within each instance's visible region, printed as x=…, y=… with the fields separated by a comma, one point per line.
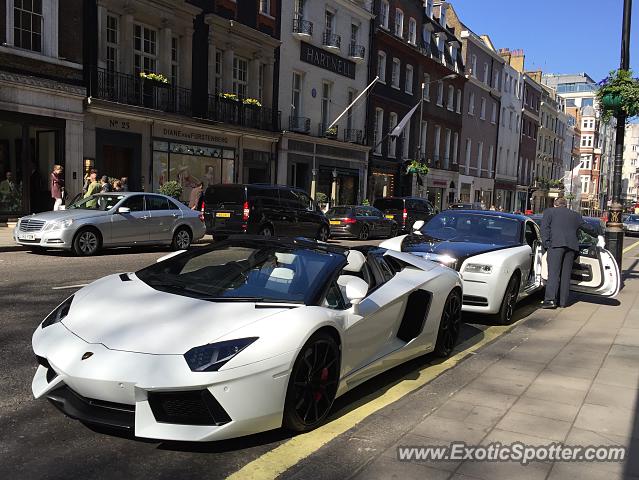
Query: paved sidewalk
x=6, y=240
x=573, y=377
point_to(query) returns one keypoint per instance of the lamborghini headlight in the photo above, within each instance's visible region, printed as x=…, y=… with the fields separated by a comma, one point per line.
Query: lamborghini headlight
x=211, y=357
x=58, y=224
x=478, y=268
x=59, y=313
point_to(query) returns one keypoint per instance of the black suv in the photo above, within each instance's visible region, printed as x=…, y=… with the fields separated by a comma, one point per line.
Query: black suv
x=262, y=209
x=405, y=210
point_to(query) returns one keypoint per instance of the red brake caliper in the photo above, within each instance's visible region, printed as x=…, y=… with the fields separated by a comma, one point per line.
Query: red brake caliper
x=323, y=378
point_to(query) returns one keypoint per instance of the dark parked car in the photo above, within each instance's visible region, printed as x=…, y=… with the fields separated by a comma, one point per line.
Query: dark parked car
x=361, y=222
x=405, y=210
x=466, y=206
x=264, y=210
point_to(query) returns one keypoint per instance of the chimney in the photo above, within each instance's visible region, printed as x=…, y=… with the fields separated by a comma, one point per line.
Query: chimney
x=505, y=54
x=517, y=60
x=535, y=75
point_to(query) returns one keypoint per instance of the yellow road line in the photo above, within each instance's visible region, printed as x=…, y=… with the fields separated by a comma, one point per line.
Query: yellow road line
x=280, y=459
x=627, y=249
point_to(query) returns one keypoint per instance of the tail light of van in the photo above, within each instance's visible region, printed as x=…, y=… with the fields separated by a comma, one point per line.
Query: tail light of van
x=245, y=212
x=202, y=211
x=404, y=215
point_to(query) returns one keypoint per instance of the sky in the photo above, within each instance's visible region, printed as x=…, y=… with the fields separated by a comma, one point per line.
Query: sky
x=557, y=36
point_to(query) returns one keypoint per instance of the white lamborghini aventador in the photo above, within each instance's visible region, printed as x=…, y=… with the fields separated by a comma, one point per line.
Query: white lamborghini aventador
x=241, y=337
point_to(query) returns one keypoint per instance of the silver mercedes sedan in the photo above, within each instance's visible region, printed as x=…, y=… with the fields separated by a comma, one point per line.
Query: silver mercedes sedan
x=112, y=220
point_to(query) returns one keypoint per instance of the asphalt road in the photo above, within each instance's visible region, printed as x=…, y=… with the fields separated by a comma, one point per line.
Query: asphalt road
x=36, y=441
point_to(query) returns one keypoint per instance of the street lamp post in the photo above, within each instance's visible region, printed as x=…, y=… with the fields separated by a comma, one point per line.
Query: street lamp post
x=614, y=226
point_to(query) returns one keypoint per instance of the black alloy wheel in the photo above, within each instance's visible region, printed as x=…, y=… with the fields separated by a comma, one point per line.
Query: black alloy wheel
x=323, y=234
x=507, y=309
x=313, y=383
x=364, y=233
x=393, y=232
x=266, y=231
x=450, y=325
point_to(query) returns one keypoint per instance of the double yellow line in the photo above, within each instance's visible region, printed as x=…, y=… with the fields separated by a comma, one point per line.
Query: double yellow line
x=291, y=452
x=627, y=249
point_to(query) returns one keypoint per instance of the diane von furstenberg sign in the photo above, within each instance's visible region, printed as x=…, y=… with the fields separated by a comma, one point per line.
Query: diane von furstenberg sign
x=328, y=61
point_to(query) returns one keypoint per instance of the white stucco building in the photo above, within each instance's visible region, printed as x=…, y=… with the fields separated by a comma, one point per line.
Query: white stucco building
x=323, y=68
x=630, y=173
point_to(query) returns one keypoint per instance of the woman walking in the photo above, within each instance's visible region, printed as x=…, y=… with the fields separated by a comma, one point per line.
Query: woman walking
x=57, y=187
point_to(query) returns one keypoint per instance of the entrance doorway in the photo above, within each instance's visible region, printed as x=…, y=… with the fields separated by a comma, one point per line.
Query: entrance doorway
x=119, y=155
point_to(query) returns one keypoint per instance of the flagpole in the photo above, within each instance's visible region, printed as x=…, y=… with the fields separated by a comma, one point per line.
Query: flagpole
x=352, y=103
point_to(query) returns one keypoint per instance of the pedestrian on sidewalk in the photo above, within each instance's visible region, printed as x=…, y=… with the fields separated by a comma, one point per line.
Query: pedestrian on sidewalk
x=195, y=196
x=125, y=184
x=117, y=186
x=105, y=186
x=57, y=187
x=559, y=227
x=93, y=184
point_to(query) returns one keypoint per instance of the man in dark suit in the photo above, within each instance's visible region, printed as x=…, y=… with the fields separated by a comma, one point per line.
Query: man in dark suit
x=559, y=228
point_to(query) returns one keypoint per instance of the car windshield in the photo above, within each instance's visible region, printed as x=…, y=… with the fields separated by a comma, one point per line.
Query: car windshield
x=97, y=202
x=339, y=211
x=473, y=227
x=632, y=219
x=246, y=272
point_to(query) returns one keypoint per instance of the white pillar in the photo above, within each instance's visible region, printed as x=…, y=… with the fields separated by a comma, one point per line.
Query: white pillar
x=267, y=88
x=164, y=50
x=211, y=63
x=254, y=76
x=186, y=58
x=227, y=68
x=126, y=49
x=102, y=24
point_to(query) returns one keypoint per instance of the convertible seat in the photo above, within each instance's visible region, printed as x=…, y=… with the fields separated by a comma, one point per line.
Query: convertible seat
x=356, y=261
x=280, y=279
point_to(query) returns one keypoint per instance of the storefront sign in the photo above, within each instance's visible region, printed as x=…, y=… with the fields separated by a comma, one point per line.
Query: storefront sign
x=184, y=134
x=504, y=185
x=326, y=60
x=440, y=183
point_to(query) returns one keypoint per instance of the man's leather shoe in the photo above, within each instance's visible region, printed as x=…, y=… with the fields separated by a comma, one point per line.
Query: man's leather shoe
x=548, y=304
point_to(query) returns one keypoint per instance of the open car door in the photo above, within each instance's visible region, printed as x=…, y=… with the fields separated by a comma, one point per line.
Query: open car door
x=595, y=272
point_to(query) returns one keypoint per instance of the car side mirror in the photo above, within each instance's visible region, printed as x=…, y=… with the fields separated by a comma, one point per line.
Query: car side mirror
x=418, y=225
x=124, y=210
x=601, y=241
x=356, y=290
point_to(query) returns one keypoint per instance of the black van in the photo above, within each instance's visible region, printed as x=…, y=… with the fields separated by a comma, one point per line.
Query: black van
x=264, y=210
x=405, y=210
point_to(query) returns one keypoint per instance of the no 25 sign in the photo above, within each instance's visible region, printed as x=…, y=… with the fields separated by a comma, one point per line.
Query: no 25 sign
x=121, y=124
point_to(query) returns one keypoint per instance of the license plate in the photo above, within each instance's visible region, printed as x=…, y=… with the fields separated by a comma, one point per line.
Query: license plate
x=390, y=217
x=223, y=215
x=26, y=236
x=335, y=222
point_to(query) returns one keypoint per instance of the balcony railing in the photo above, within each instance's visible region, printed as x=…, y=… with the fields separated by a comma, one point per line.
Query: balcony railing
x=299, y=124
x=324, y=131
x=356, y=51
x=302, y=27
x=331, y=40
x=133, y=90
x=352, y=135
x=235, y=112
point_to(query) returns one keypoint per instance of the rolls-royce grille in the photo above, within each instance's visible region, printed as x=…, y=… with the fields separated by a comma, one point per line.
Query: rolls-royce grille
x=197, y=407
x=31, y=225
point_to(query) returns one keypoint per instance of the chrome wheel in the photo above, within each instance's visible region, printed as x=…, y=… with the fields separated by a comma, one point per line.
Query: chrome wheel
x=322, y=236
x=182, y=240
x=450, y=325
x=86, y=243
x=266, y=232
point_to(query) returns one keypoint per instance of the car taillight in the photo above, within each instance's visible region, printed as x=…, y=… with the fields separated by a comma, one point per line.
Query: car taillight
x=349, y=220
x=245, y=212
x=404, y=215
x=202, y=212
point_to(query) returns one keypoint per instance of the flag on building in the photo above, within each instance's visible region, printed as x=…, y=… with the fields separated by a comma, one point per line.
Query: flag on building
x=397, y=131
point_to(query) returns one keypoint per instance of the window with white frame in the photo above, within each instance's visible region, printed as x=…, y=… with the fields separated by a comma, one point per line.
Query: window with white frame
x=493, y=115
x=480, y=154
x=426, y=87
x=586, y=140
x=459, y=100
x=455, y=147
x=406, y=139
x=175, y=60
x=265, y=7
x=412, y=31
x=510, y=120
x=218, y=70
x=399, y=23
x=482, y=111
x=491, y=152
x=326, y=105
x=408, y=87
x=585, y=183
x=383, y=14
x=451, y=98
x=429, y=8
x=586, y=162
x=469, y=148
x=354, y=34
x=296, y=96
x=448, y=136
x=240, y=76
x=503, y=116
x=517, y=123
x=349, y=114
x=423, y=136
x=453, y=56
x=329, y=20
x=395, y=73
x=392, y=140
x=379, y=129
x=471, y=104
x=437, y=139
x=27, y=24
x=440, y=93
x=381, y=66
x=426, y=37
x=112, y=43
x=145, y=48
x=486, y=78
x=496, y=81
x=473, y=65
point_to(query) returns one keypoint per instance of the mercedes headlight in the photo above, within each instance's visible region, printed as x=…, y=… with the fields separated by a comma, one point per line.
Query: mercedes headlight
x=211, y=357
x=59, y=313
x=58, y=224
x=478, y=268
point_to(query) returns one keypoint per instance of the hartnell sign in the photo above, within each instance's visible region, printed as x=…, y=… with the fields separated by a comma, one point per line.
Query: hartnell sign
x=328, y=61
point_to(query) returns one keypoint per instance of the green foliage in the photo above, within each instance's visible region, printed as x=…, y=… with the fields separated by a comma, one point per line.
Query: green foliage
x=618, y=92
x=417, y=167
x=171, y=189
x=229, y=96
x=321, y=197
x=157, y=77
x=366, y=202
x=252, y=101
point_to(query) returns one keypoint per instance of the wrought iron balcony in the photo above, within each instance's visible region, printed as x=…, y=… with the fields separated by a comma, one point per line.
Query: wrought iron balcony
x=331, y=40
x=357, y=51
x=133, y=90
x=323, y=131
x=235, y=112
x=299, y=124
x=353, y=136
x=302, y=27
